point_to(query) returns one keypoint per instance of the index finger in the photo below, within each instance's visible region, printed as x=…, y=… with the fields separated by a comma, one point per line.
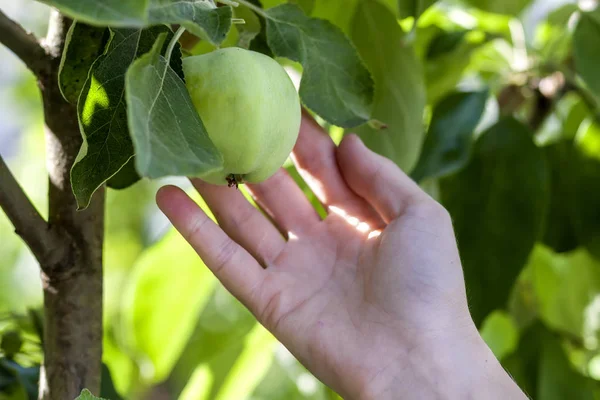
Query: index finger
x=239, y=272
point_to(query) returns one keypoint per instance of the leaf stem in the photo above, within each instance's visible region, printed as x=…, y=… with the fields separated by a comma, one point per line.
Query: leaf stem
x=254, y=8
x=229, y=2
x=173, y=42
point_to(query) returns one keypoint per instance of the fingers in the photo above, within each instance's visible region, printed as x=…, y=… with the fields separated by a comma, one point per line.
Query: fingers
x=315, y=157
x=285, y=203
x=232, y=265
x=377, y=179
x=242, y=221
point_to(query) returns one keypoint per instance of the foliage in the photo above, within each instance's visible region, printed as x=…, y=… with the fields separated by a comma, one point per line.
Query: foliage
x=87, y=395
x=399, y=85
x=493, y=106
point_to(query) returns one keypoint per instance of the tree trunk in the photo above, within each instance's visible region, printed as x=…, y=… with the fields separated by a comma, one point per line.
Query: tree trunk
x=73, y=282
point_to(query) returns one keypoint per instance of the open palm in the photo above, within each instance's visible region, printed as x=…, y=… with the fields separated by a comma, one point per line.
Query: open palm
x=381, y=267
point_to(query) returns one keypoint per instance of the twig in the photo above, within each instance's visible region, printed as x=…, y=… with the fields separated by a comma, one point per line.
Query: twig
x=24, y=44
x=26, y=219
x=254, y=8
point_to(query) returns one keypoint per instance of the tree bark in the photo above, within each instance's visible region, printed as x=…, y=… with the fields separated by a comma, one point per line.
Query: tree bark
x=69, y=245
x=73, y=284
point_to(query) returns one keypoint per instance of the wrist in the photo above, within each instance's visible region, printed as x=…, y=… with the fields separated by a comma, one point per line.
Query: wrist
x=453, y=369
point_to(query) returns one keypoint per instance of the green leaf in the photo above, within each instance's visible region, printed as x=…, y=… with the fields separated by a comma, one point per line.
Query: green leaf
x=500, y=333
x=510, y=7
x=572, y=112
x=107, y=387
x=523, y=364
x=20, y=383
x=586, y=49
x=222, y=328
x=168, y=134
x=306, y=5
x=87, y=395
x=11, y=343
x=562, y=14
x=554, y=36
x=83, y=45
x=448, y=54
x=542, y=368
x=445, y=42
x=559, y=231
x=574, y=216
x=448, y=144
x=126, y=176
x=335, y=85
x=288, y=379
x=413, y=8
x=565, y=285
x=399, y=87
x=268, y=3
x=251, y=365
x=588, y=138
x=558, y=380
x=259, y=42
x=104, y=12
x=102, y=112
x=200, y=17
x=338, y=12
x=162, y=304
x=498, y=203
x=249, y=29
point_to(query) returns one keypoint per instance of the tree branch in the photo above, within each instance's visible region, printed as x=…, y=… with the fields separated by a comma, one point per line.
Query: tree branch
x=24, y=44
x=72, y=286
x=26, y=219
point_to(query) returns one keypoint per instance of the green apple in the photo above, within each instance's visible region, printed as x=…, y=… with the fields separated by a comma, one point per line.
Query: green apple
x=250, y=109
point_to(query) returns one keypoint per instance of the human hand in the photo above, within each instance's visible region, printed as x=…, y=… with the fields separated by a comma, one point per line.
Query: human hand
x=371, y=299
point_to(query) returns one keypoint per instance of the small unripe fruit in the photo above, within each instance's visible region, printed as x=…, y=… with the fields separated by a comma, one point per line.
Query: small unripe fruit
x=250, y=109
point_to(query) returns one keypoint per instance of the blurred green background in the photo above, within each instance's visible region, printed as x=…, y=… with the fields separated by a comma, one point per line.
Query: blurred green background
x=171, y=332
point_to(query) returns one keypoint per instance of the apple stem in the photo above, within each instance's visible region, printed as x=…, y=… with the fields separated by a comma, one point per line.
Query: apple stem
x=234, y=180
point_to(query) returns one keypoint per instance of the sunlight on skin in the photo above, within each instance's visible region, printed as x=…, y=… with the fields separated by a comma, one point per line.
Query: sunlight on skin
x=397, y=296
x=360, y=226
x=316, y=185
x=374, y=234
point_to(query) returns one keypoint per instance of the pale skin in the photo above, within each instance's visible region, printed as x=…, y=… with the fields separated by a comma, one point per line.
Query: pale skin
x=372, y=298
